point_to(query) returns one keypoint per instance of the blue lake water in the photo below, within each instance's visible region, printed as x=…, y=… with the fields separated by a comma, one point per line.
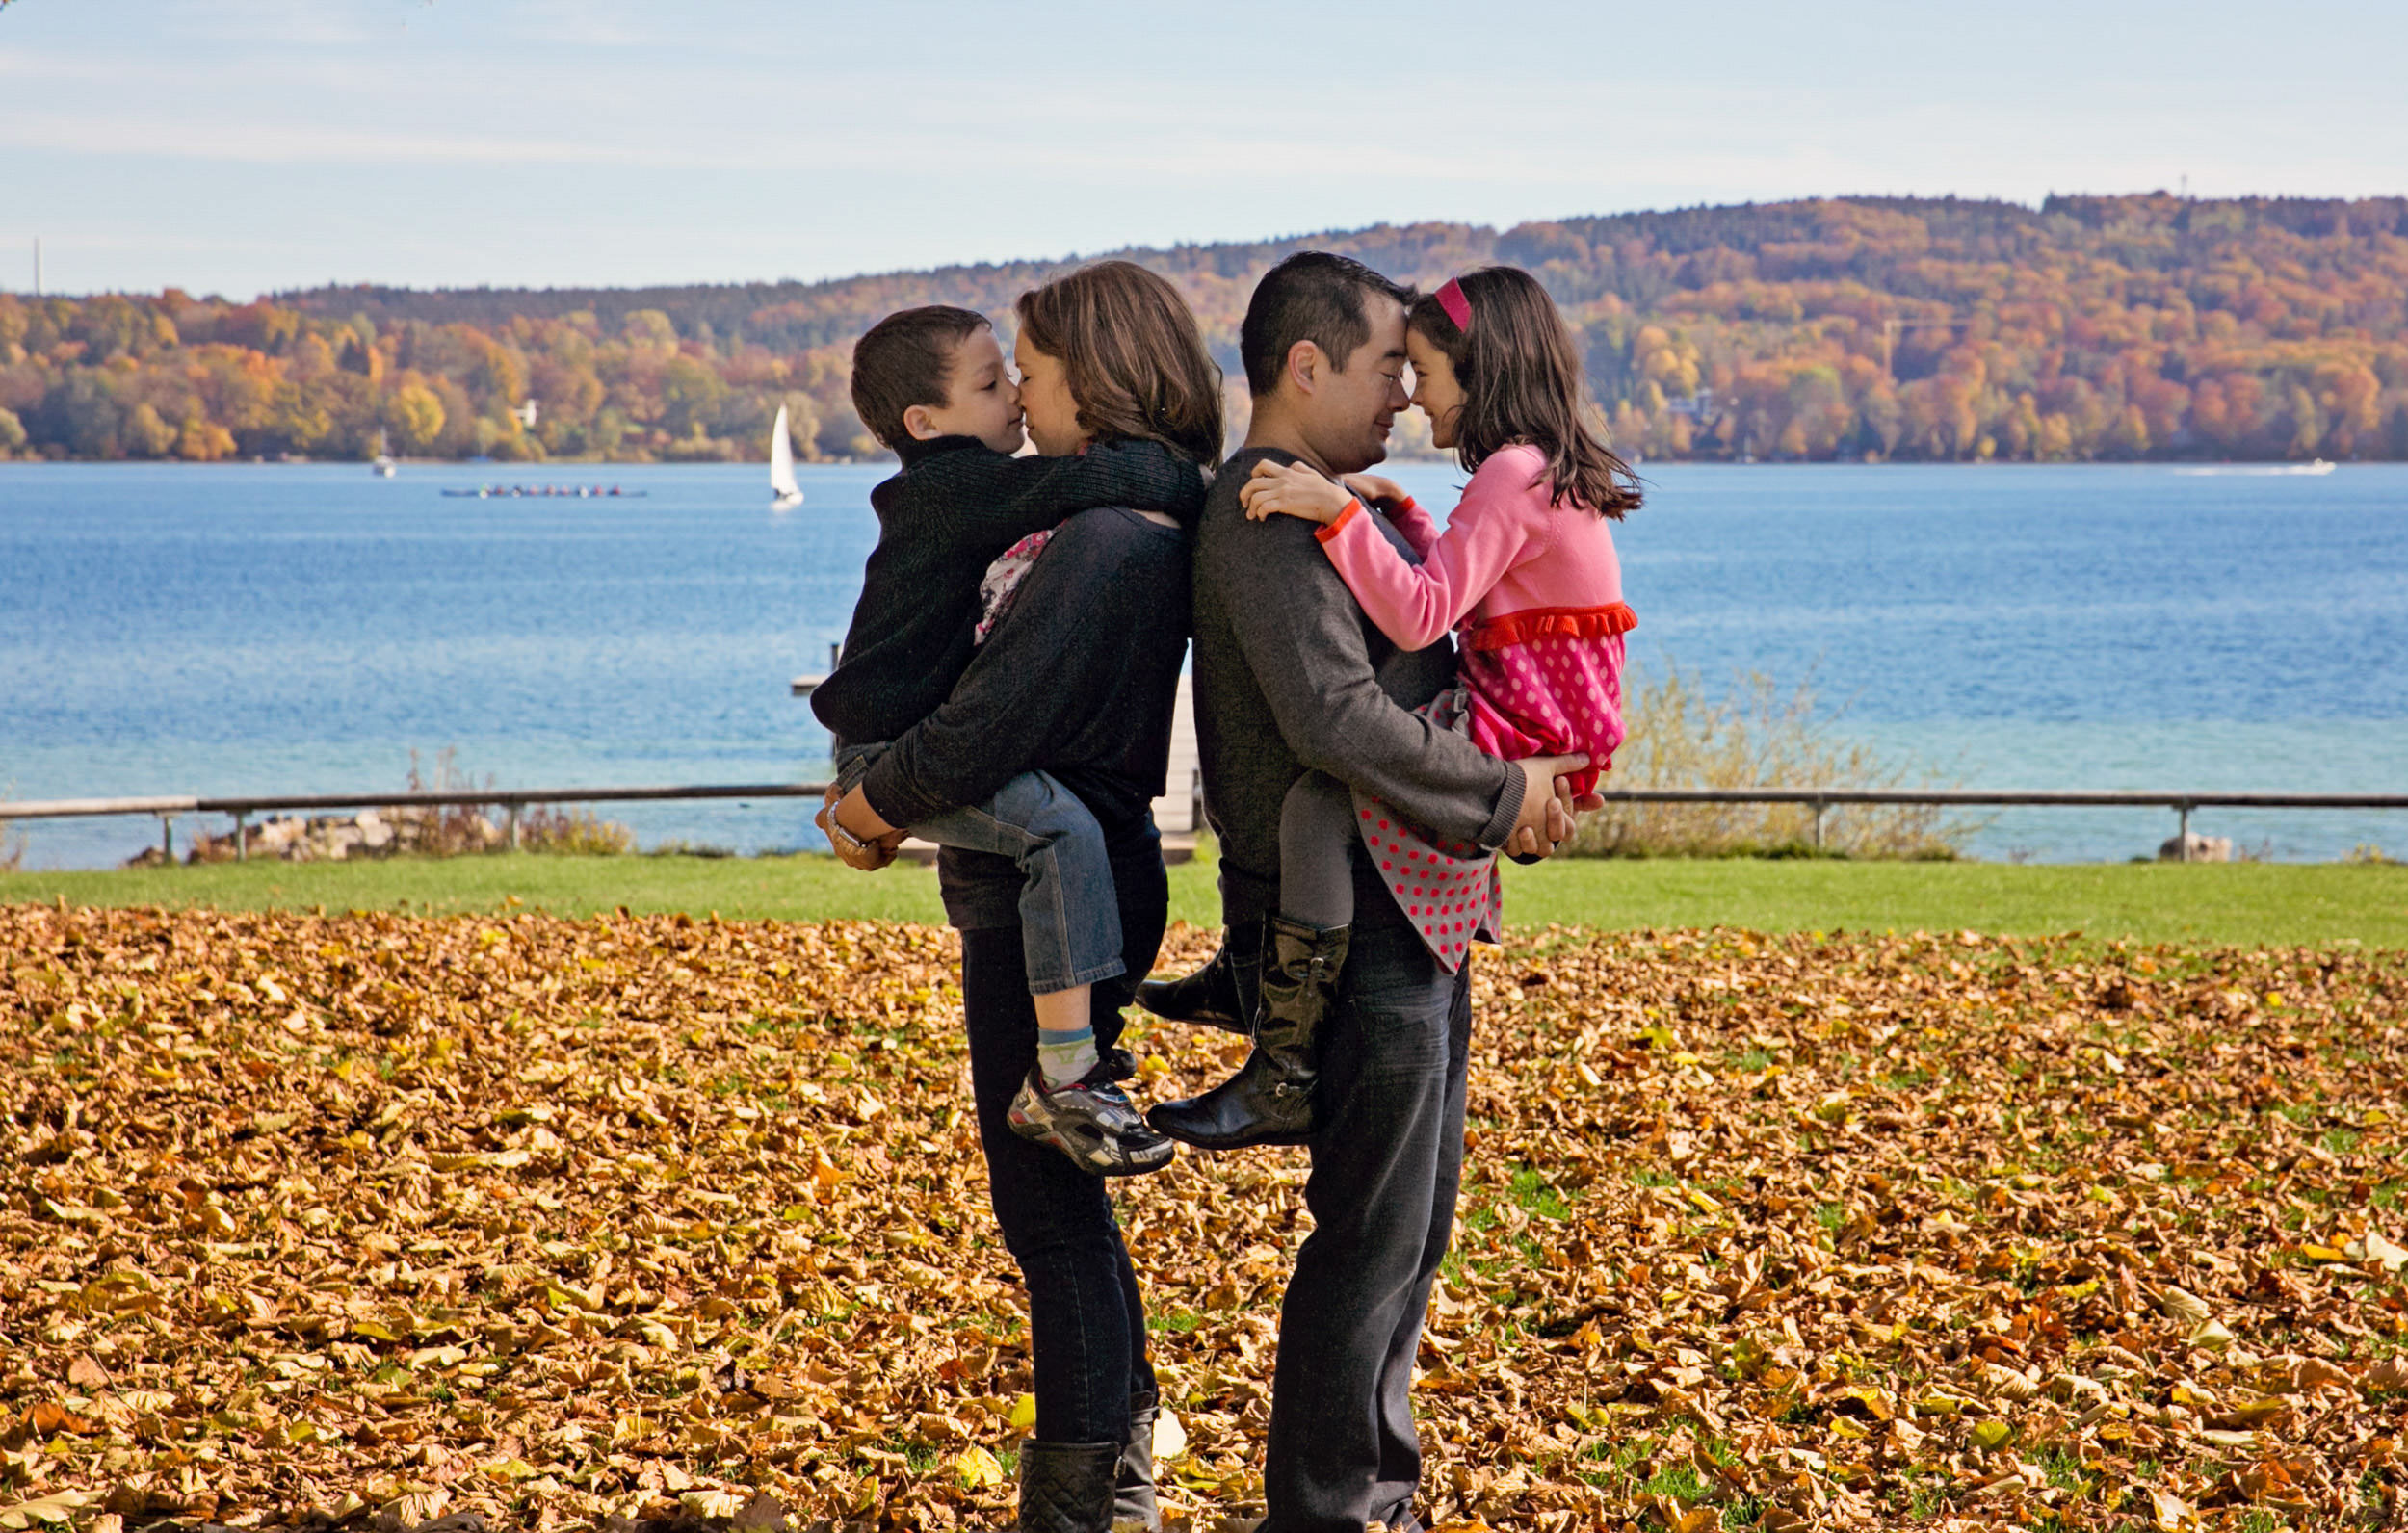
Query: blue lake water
x=272, y=628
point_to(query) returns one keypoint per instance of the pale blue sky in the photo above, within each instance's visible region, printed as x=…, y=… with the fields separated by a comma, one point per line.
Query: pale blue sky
x=236, y=146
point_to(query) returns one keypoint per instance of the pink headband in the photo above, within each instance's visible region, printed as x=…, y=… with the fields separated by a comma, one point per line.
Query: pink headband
x=1459, y=307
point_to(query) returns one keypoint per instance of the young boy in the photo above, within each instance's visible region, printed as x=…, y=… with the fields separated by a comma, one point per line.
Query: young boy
x=931, y=385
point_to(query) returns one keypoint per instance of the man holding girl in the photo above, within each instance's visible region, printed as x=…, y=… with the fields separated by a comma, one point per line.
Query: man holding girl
x=1292, y=678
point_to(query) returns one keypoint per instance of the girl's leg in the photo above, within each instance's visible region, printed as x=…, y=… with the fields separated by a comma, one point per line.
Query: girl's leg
x=1315, y=827
x=1269, y=1100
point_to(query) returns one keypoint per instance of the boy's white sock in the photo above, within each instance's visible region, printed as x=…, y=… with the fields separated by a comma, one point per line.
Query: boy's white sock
x=1064, y=1057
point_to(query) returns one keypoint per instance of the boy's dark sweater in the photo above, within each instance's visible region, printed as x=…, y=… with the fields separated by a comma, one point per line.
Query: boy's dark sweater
x=1079, y=681
x=956, y=504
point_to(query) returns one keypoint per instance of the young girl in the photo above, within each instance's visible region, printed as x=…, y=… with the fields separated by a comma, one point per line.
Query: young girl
x=1526, y=569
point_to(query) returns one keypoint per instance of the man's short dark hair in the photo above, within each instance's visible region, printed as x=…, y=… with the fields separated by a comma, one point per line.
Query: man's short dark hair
x=906, y=360
x=1312, y=296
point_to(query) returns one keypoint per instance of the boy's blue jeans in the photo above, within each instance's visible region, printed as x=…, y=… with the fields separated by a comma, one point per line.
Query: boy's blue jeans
x=1069, y=918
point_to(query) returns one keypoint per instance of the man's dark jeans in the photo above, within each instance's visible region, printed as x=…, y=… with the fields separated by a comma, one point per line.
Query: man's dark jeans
x=1086, y=1318
x=1387, y=1162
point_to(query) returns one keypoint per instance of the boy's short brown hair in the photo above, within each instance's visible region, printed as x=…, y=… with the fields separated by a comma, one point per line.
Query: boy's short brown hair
x=906, y=359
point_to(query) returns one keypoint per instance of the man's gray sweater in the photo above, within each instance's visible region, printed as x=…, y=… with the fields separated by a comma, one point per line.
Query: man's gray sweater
x=1290, y=676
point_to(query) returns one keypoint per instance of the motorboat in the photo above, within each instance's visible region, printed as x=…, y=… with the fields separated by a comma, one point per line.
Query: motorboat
x=2314, y=467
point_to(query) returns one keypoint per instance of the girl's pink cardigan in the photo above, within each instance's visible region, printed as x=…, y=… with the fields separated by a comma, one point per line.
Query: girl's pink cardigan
x=1517, y=568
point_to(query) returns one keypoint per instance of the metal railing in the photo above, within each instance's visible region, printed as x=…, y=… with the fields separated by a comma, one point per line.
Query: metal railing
x=512, y=799
x=1821, y=799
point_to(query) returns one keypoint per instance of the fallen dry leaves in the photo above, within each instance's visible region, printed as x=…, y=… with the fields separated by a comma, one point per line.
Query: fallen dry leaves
x=561, y=1220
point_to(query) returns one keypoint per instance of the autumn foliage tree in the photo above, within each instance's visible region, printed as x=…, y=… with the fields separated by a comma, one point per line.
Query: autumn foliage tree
x=2090, y=329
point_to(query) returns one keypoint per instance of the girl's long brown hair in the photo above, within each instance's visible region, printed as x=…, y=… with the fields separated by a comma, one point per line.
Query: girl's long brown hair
x=1523, y=382
x=1131, y=353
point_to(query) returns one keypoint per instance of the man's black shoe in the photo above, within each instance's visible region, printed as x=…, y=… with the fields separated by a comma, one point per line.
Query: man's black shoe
x=1208, y=997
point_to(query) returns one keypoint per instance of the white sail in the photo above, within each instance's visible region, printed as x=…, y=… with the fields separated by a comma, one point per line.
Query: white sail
x=783, y=489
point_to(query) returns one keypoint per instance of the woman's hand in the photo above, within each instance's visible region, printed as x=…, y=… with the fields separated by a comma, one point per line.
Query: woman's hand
x=852, y=813
x=1290, y=489
x=1373, y=489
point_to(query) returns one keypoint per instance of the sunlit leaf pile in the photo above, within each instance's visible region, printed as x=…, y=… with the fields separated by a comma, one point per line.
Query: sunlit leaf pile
x=378, y=1219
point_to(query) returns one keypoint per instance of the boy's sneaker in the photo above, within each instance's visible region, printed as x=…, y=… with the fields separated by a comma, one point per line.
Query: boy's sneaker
x=1092, y=1120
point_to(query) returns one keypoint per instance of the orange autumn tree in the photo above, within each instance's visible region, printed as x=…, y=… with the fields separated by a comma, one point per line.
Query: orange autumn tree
x=1934, y=329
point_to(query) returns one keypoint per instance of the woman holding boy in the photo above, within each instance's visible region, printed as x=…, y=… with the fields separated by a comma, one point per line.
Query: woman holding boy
x=1076, y=682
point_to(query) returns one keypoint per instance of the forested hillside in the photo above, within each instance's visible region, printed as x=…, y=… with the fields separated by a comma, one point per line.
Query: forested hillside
x=2124, y=327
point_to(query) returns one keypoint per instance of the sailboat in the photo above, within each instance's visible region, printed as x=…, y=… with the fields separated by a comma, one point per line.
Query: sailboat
x=784, y=492
x=383, y=464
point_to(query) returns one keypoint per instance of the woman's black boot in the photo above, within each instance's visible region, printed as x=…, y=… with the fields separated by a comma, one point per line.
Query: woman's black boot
x=1209, y=996
x=1067, y=1487
x=1133, y=1507
x=1269, y=1100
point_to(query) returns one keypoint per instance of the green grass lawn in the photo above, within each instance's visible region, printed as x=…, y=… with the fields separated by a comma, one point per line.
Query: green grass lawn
x=2238, y=903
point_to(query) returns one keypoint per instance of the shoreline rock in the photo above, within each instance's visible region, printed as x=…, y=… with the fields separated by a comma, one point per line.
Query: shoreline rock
x=370, y=834
x=2202, y=849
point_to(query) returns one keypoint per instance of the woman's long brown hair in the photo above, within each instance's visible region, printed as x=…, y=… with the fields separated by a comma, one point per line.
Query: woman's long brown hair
x=1131, y=353
x=1523, y=382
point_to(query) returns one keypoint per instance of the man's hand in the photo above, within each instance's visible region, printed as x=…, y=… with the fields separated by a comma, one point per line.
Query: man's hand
x=1548, y=814
x=1373, y=489
x=1291, y=490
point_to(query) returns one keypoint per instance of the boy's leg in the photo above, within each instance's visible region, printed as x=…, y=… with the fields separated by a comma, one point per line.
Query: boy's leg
x=1069, y=926
x=1071, y=939
x=1315, y=827
x=1070, y=922
x=1066, y=1035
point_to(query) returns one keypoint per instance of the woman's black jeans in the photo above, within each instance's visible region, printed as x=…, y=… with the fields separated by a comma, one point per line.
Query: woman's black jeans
x=1086, y=1319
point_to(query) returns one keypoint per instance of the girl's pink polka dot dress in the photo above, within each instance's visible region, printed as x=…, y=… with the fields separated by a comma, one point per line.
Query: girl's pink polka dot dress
x=1537, y=589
